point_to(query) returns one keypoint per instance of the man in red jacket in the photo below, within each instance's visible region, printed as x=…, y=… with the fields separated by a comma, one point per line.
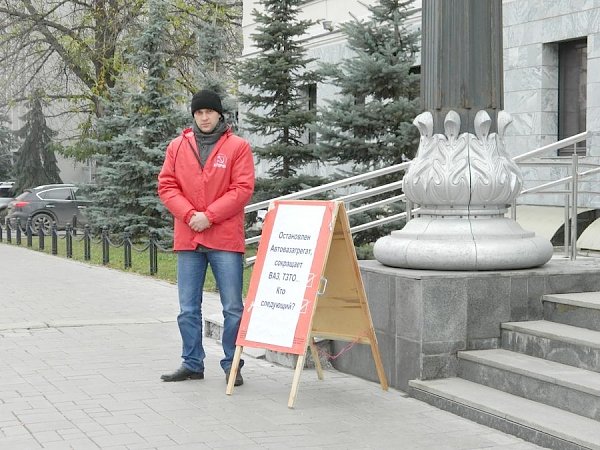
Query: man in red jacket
x=206, y=180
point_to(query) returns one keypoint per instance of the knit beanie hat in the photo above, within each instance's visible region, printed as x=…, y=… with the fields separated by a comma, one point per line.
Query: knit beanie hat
x=206, y=99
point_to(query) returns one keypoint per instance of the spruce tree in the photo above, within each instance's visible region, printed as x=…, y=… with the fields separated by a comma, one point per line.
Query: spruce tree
x=274, y=86
x=132, y=139
x=369, y=124
x=6, y=142
x=215, y=62
x=35, y=160
x=212, y=50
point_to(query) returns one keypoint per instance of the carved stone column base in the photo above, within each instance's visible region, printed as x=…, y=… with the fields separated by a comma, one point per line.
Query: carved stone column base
x=493, y=243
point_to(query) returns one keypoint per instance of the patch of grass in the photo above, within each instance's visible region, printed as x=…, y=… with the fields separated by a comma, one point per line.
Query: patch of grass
x=140, y=259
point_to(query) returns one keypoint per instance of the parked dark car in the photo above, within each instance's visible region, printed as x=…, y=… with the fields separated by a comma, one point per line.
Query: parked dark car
x=6, y=196
x=46, y=204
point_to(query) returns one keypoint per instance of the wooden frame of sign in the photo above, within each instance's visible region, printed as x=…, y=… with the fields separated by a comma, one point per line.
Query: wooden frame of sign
x=306, y=284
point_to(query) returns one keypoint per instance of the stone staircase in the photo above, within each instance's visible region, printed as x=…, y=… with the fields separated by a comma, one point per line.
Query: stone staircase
x=543, y=385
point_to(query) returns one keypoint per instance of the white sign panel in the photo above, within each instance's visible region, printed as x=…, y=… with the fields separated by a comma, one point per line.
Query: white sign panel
x=285, y=275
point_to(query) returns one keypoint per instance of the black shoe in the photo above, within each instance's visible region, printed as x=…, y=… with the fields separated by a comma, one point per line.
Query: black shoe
x=238, y=378
x=183, y=373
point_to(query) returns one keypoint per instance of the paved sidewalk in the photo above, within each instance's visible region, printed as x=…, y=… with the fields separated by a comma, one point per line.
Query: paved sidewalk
x=82, y=349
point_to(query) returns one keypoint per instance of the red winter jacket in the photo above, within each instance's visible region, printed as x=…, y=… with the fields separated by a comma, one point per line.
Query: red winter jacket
x=221, y=190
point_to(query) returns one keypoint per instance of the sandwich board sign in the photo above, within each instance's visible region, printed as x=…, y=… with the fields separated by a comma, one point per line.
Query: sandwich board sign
x=305, y=284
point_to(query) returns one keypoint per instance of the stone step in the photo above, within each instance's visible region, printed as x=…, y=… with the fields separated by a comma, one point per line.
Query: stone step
x=566, y=387
x=541, y=424
x=581, y=309
x=566, y=344
x=213, y=328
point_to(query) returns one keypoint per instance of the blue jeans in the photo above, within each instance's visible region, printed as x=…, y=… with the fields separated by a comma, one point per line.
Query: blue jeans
x=227, y=267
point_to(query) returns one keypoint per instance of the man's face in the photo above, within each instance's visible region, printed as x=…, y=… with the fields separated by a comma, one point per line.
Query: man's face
x=206, y=119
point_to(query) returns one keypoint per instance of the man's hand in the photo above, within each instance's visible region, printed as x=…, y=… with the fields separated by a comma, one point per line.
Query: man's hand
x=199, y=222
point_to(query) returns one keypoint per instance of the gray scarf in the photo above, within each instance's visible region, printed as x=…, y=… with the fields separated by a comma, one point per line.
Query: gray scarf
x=206, y=141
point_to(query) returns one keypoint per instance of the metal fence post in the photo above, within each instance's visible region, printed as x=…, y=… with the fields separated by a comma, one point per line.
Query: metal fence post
x=153, y=247
x=126, y=250
x=567, y=222
x=105, y=246
x=54, y=236
x=87, y=243
x=575, y=188
x=8, y=232
x=29, y=233
x=69, y=240
x=41, y=238
x=18, y=232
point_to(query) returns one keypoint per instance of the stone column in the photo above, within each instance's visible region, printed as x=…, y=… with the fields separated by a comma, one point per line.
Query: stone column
x=461, y=59
x=462, y=178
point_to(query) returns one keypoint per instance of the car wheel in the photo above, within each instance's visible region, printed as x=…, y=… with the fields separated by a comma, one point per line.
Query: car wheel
x=43, y=221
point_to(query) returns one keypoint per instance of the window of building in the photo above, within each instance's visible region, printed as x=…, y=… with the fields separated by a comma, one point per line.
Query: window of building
x=415, y=70
x=572, y=98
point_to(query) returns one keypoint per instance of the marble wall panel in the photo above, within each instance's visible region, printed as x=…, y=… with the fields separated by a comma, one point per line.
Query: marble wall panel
x=514, y=145
x=594, y=44
x=409, y=363
x=536, y=288
x=593, y=96
x=358, y=360
x=593, y=118
x=518, y=299
x=550, y=100
x=523, y=124
x=523, y=101
x=550, y=77
x=380, y=291
x=531, y=55
x=409, y=309
x=561, y=284
x=510, y=58
x=488, y=306
x=519, y=144
x=516, y=12
x=548, y=123
x=593, y=71
x=594, y=145
x=523, y=79
x=523, y=56
x=561, y=27
x=550, y=54
x=439, y=366
x=444, y=310
x=521, y=34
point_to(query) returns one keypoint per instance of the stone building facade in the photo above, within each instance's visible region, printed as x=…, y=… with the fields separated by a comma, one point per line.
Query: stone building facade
x=551, y=59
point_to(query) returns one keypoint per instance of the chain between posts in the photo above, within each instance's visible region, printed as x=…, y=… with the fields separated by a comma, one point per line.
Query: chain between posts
x=14, y=232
